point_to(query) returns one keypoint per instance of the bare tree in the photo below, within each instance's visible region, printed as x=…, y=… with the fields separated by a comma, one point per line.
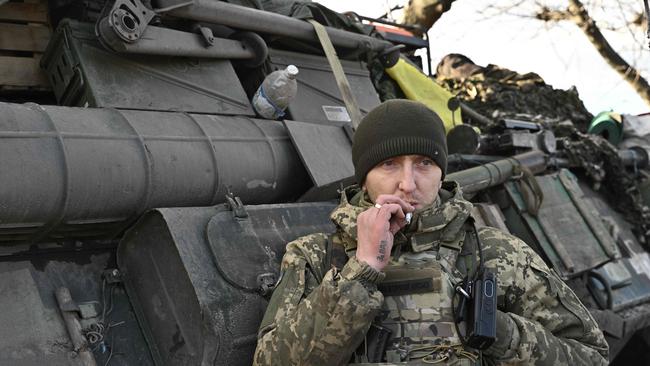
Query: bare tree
x=577, y=13
x=619, y=16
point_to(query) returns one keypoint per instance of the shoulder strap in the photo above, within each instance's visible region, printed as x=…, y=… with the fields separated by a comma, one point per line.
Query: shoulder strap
x=467, y=262
x=335, y=255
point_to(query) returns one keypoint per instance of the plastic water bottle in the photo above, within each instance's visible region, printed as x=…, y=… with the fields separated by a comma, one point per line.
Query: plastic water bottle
x=276, y=92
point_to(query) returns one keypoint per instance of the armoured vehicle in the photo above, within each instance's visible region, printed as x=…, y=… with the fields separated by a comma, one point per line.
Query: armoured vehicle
x=144, y=207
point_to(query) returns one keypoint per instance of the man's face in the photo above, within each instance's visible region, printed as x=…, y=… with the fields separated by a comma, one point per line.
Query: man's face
x=414, y=178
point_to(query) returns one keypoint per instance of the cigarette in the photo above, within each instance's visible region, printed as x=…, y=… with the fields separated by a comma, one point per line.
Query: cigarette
x=409, y=216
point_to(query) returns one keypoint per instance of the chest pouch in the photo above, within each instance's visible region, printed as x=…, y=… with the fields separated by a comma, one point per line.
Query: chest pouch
x=403, y=281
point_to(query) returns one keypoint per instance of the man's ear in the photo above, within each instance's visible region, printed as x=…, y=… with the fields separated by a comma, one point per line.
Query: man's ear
x=439, y=185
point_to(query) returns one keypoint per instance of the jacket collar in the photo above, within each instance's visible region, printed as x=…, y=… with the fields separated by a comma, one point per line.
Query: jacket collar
x=440, y=223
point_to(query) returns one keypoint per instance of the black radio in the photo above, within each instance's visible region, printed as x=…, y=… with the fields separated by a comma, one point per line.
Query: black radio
x=482, y=320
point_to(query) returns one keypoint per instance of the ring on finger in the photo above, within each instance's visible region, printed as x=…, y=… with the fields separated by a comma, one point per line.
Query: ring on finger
x=377, y=205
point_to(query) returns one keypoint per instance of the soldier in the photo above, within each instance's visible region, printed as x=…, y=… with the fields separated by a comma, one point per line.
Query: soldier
x=392, y=296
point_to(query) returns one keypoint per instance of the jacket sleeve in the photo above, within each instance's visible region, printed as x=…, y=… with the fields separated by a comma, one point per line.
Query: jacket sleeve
x=540, y=320
x=317, y=316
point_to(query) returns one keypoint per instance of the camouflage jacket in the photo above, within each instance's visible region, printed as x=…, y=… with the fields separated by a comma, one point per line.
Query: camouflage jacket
x=319, y=316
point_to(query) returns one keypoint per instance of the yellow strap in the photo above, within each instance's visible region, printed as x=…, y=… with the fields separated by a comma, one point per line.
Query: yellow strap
x=418, y=86
x=342, y=81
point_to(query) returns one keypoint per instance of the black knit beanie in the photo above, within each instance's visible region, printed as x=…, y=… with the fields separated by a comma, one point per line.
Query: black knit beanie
x=398, y=127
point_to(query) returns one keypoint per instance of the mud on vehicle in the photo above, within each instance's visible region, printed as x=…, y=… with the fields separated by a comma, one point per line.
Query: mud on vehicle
x=145, y=205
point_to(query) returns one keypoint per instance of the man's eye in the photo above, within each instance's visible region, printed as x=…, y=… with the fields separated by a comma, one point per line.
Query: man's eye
x=427, y=162
x=388, y=163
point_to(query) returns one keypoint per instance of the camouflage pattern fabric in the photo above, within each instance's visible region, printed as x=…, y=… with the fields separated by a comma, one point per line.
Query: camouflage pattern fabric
x=320, y=316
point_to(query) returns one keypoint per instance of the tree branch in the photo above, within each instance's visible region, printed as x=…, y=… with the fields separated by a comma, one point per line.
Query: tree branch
x=424, y=13
x=549, y=15
x=581, y=18
x=578, y=14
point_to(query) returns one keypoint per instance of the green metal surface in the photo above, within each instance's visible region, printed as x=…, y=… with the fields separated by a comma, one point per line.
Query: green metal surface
x=567, y=229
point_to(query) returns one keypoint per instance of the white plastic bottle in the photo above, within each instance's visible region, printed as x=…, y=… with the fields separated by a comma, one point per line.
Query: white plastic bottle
x=276, y=92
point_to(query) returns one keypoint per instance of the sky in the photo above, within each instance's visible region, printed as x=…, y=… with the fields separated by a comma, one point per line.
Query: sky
x=560, y=54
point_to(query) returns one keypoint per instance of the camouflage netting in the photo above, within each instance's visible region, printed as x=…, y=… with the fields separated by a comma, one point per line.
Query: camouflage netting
x=497, y=92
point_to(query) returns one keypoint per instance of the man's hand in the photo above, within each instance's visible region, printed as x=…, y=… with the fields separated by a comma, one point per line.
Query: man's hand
x=376, y=228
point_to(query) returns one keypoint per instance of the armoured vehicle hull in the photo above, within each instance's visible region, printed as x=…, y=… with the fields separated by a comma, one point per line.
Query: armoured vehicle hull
x=143, y=218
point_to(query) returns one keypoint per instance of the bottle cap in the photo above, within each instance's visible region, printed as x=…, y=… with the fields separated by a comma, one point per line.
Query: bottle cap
x=292, y=71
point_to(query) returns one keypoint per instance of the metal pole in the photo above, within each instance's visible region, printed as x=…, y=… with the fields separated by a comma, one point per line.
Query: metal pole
x=491, y=174
x=169, y=42
x=219, y=12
